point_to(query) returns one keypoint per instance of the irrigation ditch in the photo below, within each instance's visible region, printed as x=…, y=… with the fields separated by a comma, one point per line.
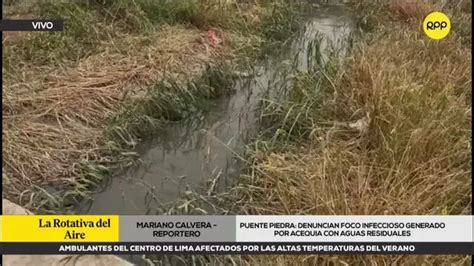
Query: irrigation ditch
x=203, y=153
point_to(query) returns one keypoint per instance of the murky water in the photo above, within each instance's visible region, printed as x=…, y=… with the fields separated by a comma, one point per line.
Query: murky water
x=202, y=152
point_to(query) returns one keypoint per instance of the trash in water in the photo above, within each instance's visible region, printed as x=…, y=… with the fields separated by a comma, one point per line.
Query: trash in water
x=213, y=39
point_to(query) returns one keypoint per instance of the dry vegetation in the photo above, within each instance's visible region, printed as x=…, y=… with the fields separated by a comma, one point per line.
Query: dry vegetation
x=53, y=121
x=62, y=90
x=390, y=134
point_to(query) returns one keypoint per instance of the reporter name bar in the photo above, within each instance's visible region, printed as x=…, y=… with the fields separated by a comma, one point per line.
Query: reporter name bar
x=235, y=229
x=31, y=25
x=239, y=248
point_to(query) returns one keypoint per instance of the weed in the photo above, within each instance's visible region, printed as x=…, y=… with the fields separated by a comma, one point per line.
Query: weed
x=168, y=101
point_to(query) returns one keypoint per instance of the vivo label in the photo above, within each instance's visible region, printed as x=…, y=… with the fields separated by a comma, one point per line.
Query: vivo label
x=41, y=25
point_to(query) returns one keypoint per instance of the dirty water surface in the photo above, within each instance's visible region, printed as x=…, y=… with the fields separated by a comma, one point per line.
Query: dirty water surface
x=203, y=152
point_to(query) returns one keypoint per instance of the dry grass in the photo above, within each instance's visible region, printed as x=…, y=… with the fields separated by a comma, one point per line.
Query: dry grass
x=62, y=91
x=53, y=118
x=406, y=10
x=392, y=137
x=417, y=141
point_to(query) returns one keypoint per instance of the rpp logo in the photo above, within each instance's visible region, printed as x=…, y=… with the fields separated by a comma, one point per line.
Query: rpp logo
x=437, y=25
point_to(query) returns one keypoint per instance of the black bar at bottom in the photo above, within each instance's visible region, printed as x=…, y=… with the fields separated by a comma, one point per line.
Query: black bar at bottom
x=419, y=248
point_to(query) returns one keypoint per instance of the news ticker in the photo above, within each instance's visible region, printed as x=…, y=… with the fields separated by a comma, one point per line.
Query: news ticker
x=113, y=234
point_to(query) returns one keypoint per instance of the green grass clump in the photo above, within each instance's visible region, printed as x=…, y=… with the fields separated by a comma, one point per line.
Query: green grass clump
x=168, y=101
x=283, y=21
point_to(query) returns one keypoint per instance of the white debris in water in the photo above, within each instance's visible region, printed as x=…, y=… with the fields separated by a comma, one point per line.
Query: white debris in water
x=362, y=125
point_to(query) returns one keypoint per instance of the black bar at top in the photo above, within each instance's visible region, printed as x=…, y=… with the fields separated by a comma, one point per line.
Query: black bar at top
x=31, y=25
